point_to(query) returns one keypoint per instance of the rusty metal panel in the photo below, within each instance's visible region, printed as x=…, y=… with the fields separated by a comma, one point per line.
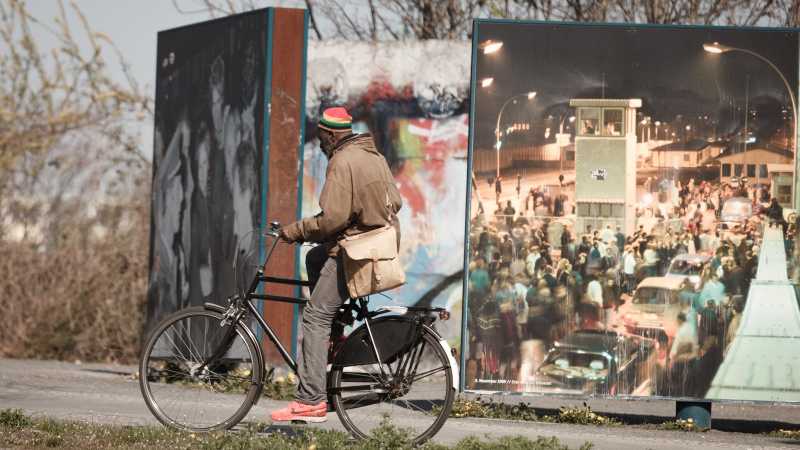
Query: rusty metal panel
x=284, y=111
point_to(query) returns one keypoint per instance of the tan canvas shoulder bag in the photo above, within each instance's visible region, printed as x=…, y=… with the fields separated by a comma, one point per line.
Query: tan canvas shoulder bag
x=371, y=263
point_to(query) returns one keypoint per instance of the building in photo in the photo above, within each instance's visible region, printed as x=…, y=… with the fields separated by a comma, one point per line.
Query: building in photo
x=752, y=163
x=684, y=155
x=780, y=181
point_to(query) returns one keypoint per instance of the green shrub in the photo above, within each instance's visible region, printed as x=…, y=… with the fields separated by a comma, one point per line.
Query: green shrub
x=787, y=434
x=492, y=410
x=516, y=443
x=388, y=436
x=682, y=425
x=581, y=415
x=14, y=418
x=279, y=388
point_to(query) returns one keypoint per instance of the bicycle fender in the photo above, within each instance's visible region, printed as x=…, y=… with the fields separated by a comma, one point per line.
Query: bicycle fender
x=447, y=351
x=393, y=335
x=259, y=353
x=453, y=364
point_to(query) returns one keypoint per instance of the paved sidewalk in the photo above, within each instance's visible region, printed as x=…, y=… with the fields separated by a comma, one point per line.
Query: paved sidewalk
x=102, y=393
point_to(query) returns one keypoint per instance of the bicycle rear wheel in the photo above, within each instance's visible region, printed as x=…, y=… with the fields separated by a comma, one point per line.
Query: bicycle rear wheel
x=182, y=389
x=416, y=394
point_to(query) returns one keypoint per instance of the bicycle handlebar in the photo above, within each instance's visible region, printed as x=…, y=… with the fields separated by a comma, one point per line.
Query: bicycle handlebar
x=274, y=229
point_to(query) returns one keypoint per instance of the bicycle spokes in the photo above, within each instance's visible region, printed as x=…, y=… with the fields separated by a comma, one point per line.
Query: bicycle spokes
x=193, y=362
x=415, y=388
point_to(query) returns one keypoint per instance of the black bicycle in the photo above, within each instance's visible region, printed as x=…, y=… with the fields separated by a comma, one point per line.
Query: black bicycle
x=202, y=368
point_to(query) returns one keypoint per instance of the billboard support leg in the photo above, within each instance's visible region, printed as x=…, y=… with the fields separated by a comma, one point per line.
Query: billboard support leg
x=699, y=411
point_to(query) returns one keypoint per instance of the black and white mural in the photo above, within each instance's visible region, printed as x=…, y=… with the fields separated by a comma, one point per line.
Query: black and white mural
x=206, y=192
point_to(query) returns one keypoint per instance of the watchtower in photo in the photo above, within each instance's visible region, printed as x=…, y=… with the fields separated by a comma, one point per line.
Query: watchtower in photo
x=605, y=163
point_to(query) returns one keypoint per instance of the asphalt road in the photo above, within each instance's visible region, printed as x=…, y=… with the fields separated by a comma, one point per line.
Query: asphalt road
x=109, y=394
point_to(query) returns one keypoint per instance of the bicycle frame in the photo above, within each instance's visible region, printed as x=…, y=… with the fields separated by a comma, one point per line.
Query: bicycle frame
x=253, y=295
x=376, y=363
x=239, y=306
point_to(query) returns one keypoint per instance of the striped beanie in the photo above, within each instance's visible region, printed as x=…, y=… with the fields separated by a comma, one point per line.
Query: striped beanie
x=335, y=119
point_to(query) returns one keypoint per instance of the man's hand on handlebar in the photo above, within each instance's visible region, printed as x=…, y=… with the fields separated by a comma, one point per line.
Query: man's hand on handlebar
x=282, y=235
x=275, y=229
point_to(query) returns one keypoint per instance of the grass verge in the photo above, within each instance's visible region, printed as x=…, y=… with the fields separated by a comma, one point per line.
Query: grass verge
x=786, y=434
x=20, y=431
x=580, y=415
x=682, y=425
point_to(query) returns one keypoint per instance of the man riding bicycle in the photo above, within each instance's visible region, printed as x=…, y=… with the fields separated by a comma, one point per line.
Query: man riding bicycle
x=359, y=195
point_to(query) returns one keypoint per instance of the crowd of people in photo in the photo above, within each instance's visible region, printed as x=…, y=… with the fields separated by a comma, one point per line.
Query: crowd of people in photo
x=534, y=278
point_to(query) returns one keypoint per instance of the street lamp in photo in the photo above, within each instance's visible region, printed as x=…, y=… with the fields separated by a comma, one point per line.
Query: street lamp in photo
x=562, y=140
x=716, y=49
x=497, y=133
x=489, y=46
x=566, y=117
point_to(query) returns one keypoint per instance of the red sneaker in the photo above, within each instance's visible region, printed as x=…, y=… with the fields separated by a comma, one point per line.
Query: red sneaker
x=302, y=412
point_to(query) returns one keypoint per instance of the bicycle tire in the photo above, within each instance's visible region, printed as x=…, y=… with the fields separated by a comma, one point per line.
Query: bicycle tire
x=256, y=375
x=432, y=340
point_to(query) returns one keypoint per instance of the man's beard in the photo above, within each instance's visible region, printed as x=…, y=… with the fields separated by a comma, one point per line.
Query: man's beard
x=327, y=149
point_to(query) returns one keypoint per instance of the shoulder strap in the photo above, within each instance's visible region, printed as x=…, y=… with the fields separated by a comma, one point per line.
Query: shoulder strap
x=392, y=214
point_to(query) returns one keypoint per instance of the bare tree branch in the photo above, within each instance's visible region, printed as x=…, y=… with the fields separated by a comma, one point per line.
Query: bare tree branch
x=452, y=19
x=45, y=96
x=313, y=21
x=177, y=6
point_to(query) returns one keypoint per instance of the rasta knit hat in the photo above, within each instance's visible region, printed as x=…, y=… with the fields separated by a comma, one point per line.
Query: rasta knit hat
x=335, y=119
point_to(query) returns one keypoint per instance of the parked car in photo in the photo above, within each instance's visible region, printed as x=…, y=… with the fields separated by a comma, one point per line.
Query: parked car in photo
x=653, y=309
x=688, y=266
x=735, y=211
x=598, y=362
x=671, y=225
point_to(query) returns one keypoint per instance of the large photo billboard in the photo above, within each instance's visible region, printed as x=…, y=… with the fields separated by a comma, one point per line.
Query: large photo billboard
x=631, y=212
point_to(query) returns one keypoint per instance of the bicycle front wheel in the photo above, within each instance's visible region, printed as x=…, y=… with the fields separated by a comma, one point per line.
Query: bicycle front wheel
x=415, y=392
x=198, y=375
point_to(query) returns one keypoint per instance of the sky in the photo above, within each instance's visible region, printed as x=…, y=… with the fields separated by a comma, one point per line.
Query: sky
x=133, y=26
x=670, y=70
x=666, y=67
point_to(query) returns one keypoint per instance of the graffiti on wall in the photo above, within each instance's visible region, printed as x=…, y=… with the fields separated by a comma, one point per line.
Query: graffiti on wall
x=420, y=125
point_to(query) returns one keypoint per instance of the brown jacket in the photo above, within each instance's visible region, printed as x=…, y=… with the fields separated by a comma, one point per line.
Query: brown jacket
x=359, y=195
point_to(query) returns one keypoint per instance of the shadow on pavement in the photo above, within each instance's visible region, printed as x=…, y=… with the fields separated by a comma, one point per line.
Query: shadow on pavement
x=110, y=372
